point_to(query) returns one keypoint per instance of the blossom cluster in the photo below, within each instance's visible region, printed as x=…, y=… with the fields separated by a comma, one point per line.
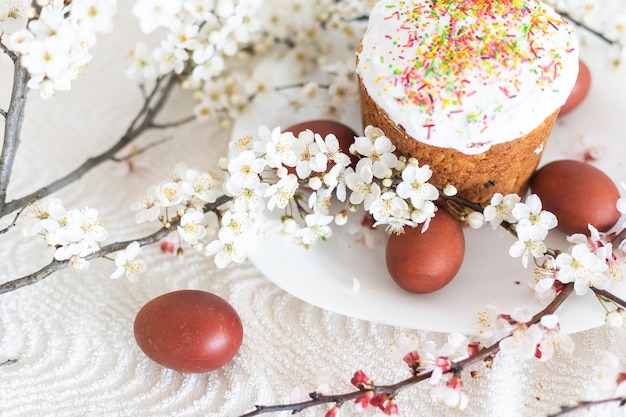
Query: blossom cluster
x=384, y=402
x=73, y=234
x=199, y=34
x=218, y=48
x=517, y=334
x=426, y=356
x=304, y=174
x=182, y=195
x=306, y=179
x=590, y=261
x=523, y=338
x=53, y=40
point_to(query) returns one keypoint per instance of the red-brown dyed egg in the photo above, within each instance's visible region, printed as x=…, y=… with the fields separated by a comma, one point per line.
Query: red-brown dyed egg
x=189, y=331
x=580, y=90
x=578, y=194
x=425, y=262
x=345, y=135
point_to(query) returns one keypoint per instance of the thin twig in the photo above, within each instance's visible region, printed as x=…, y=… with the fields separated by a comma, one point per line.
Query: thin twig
x=609, y=296
x=174, y=124
x=13, y=223
x=105, y=250
x=14, y=57
x=142, y=122
x=142, y=150
x=565, y=409
x=587, y=28
x=393, y=389
x=8, y=362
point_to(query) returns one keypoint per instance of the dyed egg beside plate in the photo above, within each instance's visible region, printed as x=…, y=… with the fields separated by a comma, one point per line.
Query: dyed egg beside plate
x=578, y=194
x=580, y=90
x=425, y=262
x=189, y=331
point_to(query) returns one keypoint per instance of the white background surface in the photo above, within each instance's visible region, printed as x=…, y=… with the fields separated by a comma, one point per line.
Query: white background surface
x=72, y=333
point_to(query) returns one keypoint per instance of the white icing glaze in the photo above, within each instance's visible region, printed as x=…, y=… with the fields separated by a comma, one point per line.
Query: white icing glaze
x=468, y=74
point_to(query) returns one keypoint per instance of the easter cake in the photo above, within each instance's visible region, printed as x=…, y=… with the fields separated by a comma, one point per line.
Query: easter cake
x=469, y=87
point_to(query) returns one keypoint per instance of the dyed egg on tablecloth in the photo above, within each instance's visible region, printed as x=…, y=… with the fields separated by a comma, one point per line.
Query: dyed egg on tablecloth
x=423, y=262
x=189, y=331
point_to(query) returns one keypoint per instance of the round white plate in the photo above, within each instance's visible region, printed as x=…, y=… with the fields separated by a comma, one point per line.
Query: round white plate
x=346, y=277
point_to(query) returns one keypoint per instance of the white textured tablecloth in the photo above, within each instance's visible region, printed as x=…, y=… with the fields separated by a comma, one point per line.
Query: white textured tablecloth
x=72, y=333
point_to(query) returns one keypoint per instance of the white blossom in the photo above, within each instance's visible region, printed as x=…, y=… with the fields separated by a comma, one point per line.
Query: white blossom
x=13, y=16
x=251, y=200
x=335, y=180
x=148, y=207
x=244, y=171
x=95, y=14
x=127, y=263
x=531, y=216
x=309, y=156
x=190, y=228
x=278, y=147
x=142, y=64
x=200, y=9
x=379, y=154
x=226, y=253
x=170, y=58
x=527, y=244
x=552, y=338
x=450, y=394
x=282, y=192
x=153, y=14
x=168, y=194
x=41, y=213
x=236, y=226
x=415, y=186
x=54, y=47
x=611, y=380
x=392, y=210
x=582, y=267
x=524, y=338
x=342, y=91
x=320, y=201
x=316, y=228
x=360, y=182
x=329, y=146
x=199, y=184
x=501, y=209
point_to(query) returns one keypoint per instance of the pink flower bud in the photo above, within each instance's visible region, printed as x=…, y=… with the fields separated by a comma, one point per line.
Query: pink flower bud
x=332, y=412
x=378, y=401
x=167, y=247
x=473, y=348
x=361, y=380
x=412, y=359
x=444, y=363
x=455, y=383
x=391, y=408
x=364, y=400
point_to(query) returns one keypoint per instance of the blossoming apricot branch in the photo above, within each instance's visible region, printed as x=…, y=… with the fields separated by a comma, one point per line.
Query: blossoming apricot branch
x=443, y=367
x=299, y=174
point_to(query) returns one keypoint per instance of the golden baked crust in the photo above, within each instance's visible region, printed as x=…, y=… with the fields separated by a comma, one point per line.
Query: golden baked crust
x=505, y=168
